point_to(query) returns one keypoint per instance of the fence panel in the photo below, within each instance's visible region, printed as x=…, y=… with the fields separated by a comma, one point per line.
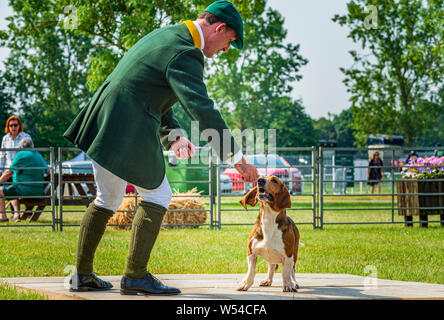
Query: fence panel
x=183, y=175
x=329, y=186
x=377, y=204
x=296, y=167
x=29, y=199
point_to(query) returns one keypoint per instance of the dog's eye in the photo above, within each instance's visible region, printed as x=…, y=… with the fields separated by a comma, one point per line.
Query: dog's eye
x=274, y=180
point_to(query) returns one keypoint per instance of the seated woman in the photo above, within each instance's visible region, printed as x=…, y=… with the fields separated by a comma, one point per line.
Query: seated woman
x=11, y=140
x=23, y=170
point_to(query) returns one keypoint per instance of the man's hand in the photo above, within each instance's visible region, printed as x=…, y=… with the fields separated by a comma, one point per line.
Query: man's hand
x=248, y=171
x=183, y=148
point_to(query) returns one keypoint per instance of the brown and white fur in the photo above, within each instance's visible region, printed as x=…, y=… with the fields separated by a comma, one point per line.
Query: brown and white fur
x=274, y=237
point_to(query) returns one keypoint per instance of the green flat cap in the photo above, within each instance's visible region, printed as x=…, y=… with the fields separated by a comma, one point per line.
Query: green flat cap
x=226, y=12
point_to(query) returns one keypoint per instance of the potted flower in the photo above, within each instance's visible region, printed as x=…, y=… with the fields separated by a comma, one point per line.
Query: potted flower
x=424, y=194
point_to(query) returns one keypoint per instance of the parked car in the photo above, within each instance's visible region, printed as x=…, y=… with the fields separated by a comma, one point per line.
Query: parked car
x=276, y=166
x=295, y=186
x=72, y=167
x=226, y=186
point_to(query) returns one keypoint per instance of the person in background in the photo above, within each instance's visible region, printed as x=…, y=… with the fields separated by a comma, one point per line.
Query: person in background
x=26, y=167
x=374, y=175
x=14, y=134
x=412, y=155
x=438, y=153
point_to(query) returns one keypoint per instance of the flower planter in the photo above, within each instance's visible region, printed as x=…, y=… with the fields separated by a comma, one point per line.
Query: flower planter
x=417, y=205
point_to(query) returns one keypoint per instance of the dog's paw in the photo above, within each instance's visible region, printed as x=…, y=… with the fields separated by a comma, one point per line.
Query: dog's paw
x=296, y=285
x=243, y=286
x=290, y=288
x=265, y=283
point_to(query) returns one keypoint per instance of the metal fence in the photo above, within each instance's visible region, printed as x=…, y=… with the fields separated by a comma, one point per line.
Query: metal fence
x=48, y=196
x=384, y=204
x=325, y=188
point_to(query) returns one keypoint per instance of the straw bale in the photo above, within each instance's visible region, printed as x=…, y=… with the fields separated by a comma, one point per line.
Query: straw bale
x=181, y=201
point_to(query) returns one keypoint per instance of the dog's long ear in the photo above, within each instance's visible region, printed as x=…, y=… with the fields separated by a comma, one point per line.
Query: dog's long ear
x=283, y=199
x=250, y=198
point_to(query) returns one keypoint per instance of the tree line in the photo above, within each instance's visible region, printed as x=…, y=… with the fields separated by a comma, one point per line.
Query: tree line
x=62, y=50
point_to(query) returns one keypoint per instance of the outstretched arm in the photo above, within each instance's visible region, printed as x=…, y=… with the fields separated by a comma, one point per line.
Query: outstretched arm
x=185, y=76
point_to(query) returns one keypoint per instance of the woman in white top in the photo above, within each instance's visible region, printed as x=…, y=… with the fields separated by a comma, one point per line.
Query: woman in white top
x=14, y=134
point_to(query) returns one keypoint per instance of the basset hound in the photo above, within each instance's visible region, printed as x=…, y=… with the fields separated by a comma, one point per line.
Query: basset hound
x=274, y=237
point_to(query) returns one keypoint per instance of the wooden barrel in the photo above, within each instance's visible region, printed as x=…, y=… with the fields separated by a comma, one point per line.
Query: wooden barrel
x=406, y=202
x=417, y=205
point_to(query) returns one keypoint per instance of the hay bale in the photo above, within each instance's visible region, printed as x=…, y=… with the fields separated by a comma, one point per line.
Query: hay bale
x=181, y=201
x=125, y=213
x=185, y=201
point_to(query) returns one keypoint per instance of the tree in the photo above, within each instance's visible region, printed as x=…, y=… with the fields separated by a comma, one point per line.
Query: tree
x=6, y=103
x=52, y=71
x=431, y=119
x=342, y=124
x=294, y=128
x=252, y=87
x=324, y=129
x=46, y=69
x=247, y=84
x=403, y=65
x=117, y=25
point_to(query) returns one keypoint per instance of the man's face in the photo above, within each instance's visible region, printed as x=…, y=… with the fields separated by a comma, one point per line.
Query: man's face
x=219, y=39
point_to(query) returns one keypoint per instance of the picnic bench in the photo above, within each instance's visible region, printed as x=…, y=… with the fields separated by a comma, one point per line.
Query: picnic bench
x=71, y=181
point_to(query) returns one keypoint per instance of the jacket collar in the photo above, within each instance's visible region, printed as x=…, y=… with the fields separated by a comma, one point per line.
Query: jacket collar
x=196, y=33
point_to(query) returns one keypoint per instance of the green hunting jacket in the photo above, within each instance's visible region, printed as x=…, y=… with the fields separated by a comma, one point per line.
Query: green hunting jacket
x=130, y=116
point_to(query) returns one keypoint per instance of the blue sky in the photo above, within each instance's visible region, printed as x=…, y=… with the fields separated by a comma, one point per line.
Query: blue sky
x=323, y=43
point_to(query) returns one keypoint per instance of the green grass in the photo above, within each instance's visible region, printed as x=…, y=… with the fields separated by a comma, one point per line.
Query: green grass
x=398, y=253
x=334, y=211
x=10, y=293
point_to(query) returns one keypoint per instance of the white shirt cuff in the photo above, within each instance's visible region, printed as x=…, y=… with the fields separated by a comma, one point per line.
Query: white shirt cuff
x=234, y=159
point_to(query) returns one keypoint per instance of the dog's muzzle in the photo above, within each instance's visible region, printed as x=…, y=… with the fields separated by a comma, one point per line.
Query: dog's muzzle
x=263, y=195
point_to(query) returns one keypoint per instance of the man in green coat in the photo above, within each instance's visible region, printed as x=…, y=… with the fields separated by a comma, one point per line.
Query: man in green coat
x=128, y=120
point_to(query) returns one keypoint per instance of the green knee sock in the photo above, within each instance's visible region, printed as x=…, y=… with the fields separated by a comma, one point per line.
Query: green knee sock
x=92, y=228
x=144, y=231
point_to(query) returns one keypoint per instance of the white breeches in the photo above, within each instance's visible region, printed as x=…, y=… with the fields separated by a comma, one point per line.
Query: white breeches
x=111, y=189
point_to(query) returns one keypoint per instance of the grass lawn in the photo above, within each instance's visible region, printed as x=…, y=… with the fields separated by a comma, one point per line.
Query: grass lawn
x=9, y=293
x=398, y=253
